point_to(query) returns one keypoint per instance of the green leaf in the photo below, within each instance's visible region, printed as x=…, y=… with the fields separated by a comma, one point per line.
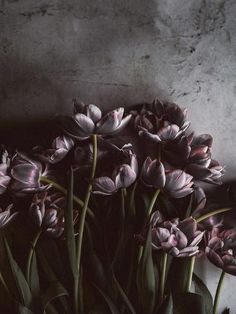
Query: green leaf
x=21, y=309
x=22, y=287
x=69, y=226
x=108, y=300
x=167, y=306
x=202, y=289
x=55, y=290
x=34, y=277
x=146, y=277
x=186, y=303
x=124, y=296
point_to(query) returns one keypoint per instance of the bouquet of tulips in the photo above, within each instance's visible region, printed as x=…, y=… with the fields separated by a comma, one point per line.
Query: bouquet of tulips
x=110, y=216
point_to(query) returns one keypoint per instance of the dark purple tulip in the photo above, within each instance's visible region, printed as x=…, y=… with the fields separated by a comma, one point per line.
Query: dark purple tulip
x=162, y=122
x=61, y=145
x=6, y=216
x=122, y=176
x=176, y=183
x=153, y=173
x=25, y=174
x=4, y=177
x=221, y=249
x=200, y=164
x=177, y=238
x=88, y=120
x=47, y=215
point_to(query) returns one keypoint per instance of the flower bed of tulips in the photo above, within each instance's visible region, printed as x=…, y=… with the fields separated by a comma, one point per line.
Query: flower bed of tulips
x=110, y=216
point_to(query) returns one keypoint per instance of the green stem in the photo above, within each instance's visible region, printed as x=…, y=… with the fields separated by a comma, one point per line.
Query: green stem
x=213, y=213
x=30, y=257
x=86, y=202
x=64, y=191
x=218, y=290
x=190, y=274
x=152, y=203
x=163, y=275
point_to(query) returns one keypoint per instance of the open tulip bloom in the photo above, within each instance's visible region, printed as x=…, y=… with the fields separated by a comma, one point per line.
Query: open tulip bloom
x=80, y=203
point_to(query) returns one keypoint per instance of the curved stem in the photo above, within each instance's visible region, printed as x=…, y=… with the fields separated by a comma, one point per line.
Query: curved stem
x=64, y=191
x=152, y=203
x=213, y=213
x=218, y=290
x=30, y=257
x=86, y=202
x=163, y=275
x=190, y=274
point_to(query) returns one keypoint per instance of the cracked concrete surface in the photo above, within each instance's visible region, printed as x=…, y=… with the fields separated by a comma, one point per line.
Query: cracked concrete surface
x=122, y=52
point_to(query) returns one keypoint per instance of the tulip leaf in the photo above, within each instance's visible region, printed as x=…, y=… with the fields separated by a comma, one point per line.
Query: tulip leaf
x=55, y=290
x=202, y=289
x=167, y=306
x=124, y=296
x=69, y=226
x=21, y=309
x=108, y=300
x=25, y=296
x=184, y=303
x=34, y=277
x=146, y=277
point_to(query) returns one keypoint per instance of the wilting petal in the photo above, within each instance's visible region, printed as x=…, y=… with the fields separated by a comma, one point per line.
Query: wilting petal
x=110, y=122
x=104, y=185
x=93, y=112
x=4, y=182
x=168, y=133
x=84, y=123
x=214, y=257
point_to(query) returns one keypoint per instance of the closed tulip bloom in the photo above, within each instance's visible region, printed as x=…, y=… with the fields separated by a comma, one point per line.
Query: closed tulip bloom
x=221, y=249
x=6, y=216
x=177, y=238
x=161, y=122
x=88, y=120
x=176, y=183
x=46, y=215
x=61, y=145
x=122, y=176
x=4, y=176
x=25, y=175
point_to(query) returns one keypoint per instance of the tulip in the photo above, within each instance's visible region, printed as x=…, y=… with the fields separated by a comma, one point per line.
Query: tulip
x=88, y=120
x=162, y=122
x=61, y=145
x=176, y=183
x=47, y=215
x=4, y=177
x=122, y=176
x=6, y=216
x=175, y=237
x=25, y=174
x=221, y=249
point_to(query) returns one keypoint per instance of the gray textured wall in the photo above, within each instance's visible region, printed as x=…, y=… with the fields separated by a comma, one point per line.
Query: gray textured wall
x=122, y=52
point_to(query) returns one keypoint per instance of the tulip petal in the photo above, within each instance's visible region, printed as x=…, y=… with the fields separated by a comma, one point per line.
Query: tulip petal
x=104, y=185
x=125, y=177
x=169, y=132
x=110, y=122
x=124, y=122
x=84, y=123
x=94, y=113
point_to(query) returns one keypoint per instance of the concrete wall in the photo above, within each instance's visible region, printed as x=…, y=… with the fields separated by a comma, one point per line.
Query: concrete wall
x=122, y=52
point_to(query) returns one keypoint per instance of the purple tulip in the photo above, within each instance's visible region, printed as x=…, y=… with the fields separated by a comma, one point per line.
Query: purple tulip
x=122, y=176
x=25, y=174
x=47, y=214
x=176, y=183
x=6, y=216
x=61, y=145
x=4, y=177
x=88, y=120
x=221, y=249
x=162, y=122
x=177, y=238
